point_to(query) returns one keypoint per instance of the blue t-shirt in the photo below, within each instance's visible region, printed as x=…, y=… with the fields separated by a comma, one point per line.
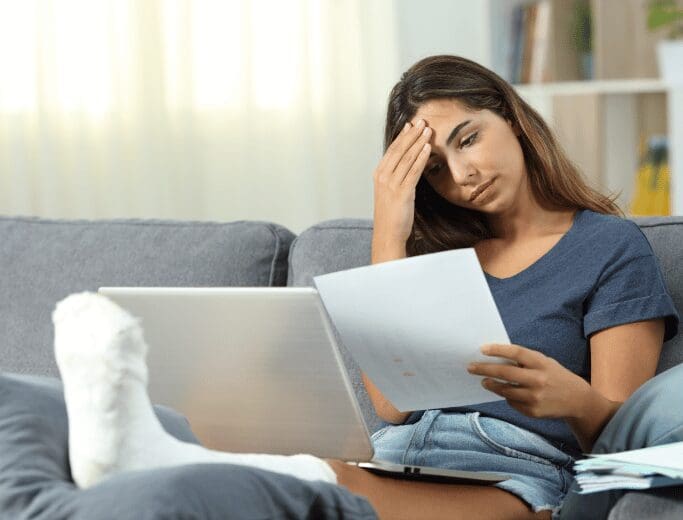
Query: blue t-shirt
x=601, y=273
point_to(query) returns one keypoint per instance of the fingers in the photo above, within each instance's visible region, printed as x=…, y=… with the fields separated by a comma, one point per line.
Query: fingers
x=521, y=376
x=407, y=165
x=521, y=399
x=522, y=356
x=507, y=391
x=415, y=172
x=393, y=154
x=406, y=141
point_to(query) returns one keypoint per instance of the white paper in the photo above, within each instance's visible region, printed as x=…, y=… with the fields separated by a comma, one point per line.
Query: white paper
x=414, y=324
x=661, y=458
x=592, y=483
x=655, y=466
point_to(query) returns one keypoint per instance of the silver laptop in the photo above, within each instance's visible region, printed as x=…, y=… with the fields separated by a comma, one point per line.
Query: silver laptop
x=258, y=370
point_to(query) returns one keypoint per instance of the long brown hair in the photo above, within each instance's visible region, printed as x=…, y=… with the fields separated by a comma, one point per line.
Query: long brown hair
x=555, y=181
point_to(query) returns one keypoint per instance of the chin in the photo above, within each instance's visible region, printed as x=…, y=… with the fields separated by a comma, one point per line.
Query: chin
x=491, y=206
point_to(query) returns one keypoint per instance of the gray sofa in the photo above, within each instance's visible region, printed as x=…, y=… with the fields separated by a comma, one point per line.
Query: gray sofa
x=42, y=261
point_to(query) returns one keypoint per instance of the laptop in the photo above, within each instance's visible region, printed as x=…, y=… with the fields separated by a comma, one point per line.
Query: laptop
x=258, y=370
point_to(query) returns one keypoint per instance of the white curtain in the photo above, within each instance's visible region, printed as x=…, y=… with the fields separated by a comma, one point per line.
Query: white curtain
x=195, y=109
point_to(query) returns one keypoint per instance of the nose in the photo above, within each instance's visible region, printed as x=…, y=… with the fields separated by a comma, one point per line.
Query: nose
x=462, y=172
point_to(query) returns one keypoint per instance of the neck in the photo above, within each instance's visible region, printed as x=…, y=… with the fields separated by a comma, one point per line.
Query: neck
x=530, y=222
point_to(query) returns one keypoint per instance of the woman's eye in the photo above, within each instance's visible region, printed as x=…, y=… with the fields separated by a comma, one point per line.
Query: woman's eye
x=433, y=169
x=469, y=140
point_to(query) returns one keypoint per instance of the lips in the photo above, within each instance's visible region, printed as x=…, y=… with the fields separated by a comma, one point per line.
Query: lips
x=479, y=189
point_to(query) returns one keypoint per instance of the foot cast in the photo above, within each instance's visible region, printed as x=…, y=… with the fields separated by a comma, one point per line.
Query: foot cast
x=100, y=351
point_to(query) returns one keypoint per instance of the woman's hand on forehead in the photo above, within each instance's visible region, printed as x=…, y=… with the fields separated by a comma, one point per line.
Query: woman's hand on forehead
x=396, y=179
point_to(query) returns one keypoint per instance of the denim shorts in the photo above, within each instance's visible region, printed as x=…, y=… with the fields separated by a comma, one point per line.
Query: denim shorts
x=539, y=473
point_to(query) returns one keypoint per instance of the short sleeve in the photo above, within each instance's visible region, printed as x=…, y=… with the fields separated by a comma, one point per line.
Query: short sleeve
x=630, y=288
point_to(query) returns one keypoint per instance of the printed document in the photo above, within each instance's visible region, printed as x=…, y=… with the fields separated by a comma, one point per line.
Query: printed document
x=414, y=324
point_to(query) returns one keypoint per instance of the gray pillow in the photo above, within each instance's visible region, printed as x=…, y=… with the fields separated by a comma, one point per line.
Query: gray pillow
x=44, y=260
x=330, y=246
x=35, y=480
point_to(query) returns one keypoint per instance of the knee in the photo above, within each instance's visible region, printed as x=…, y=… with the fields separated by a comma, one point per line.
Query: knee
x=651, y=416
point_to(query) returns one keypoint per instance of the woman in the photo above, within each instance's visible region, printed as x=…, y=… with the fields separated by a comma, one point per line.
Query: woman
x=467, y=164
x=470, y=164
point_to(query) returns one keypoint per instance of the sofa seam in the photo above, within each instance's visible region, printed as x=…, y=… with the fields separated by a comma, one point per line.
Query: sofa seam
x=275, y=256
x=134, y=222
x=317, y=227
x=658, y=224
x=290, y=271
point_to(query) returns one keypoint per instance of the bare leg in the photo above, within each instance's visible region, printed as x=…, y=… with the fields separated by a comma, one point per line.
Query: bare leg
x=397, y=499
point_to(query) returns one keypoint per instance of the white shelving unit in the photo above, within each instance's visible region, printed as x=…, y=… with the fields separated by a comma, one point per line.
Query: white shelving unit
x=619, y=138
x=606, y=86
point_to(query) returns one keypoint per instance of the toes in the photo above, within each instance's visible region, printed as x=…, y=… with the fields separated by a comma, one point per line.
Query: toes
x=89, y=322
x=78, y=304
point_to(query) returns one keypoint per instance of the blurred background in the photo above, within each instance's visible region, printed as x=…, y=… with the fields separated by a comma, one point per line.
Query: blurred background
x=274, y=109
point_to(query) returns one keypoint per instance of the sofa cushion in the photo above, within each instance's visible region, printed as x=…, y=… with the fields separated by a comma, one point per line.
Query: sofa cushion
x=661, y=503
x=35, y=480
x=330, y=246
x=42, y=261
x=327, y=247
x=665, y=235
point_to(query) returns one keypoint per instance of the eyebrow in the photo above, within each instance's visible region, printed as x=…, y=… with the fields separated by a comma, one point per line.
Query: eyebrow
x=455, y=132
x=457, y=129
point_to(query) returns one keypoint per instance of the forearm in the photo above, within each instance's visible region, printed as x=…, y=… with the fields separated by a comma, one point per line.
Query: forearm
x=383, y=407
x=385, y=251
x=592, y=413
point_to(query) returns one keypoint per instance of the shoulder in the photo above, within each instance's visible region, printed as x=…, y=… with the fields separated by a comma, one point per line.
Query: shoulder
x=601, y=221
x=614, y=234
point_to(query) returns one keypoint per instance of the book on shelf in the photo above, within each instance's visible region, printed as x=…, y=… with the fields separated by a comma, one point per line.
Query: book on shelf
x=529, y=18
x=531, y=31
x=538, y=61
x=515, y=56
x=656, y=466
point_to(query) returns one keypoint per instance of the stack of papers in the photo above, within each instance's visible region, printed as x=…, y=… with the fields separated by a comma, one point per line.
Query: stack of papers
x=645, y=468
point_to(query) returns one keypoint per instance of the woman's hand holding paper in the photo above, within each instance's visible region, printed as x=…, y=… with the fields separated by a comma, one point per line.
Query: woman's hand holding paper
x=538, y=386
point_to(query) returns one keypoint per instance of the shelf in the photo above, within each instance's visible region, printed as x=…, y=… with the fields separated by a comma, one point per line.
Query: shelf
x=608, y=86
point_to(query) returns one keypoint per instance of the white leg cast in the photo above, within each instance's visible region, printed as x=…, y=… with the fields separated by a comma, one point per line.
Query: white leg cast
x=100, y=352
